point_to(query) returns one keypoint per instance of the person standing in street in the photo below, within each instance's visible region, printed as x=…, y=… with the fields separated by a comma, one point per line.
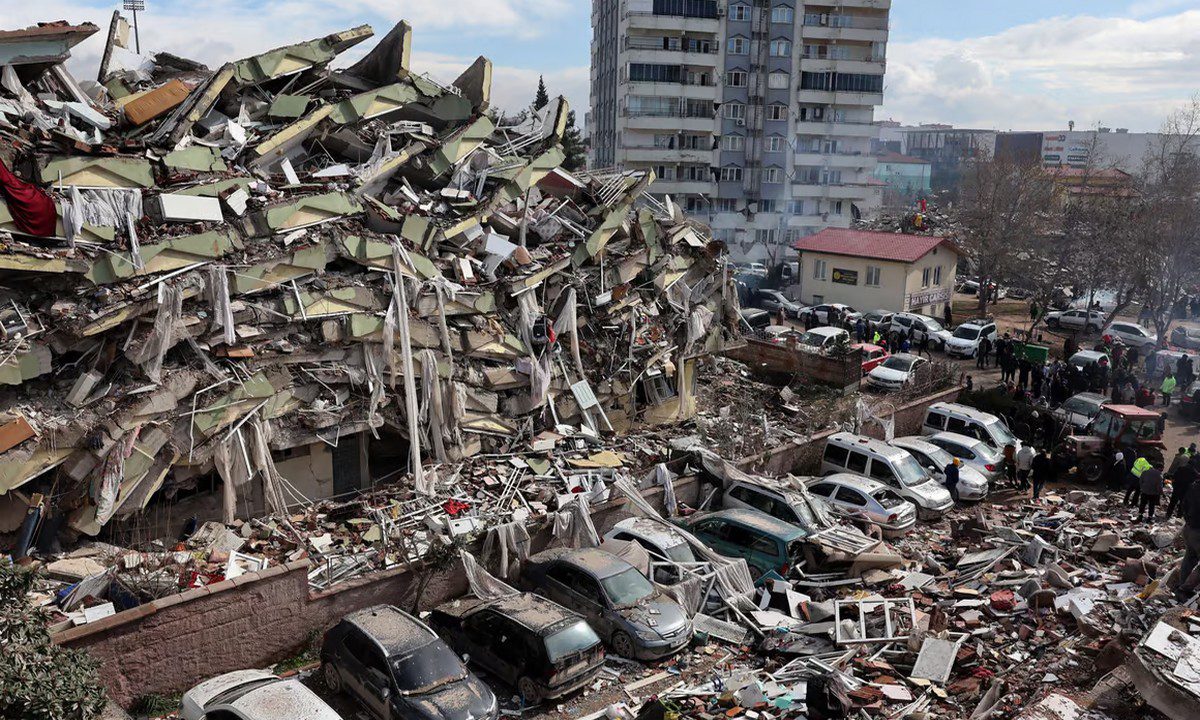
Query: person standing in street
x=1024, y=465
x=1151, y=485
x=947, y=317
x=1040, y=469
x=1168, y=388
x=1010, y=463
x=1133, y=484
x=985, y=348
x=1181, y=458
x=1182, y=481
x=923, y=348
x=951, y=473
x=860, y=329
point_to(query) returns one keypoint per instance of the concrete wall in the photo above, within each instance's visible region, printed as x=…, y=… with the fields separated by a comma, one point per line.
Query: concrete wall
x=166, y=646
x=888, y=295
x=916, y=295
x=770, y=360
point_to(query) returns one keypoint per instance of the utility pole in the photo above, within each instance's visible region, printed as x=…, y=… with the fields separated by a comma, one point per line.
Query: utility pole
x=134, y=6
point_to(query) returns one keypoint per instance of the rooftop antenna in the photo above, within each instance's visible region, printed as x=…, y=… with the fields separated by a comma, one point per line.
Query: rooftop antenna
x=134, y=6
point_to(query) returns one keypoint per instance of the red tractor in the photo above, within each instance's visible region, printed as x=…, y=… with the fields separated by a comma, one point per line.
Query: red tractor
x=1117, y=427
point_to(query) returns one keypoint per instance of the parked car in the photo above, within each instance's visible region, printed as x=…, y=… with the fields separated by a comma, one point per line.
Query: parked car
x=253, y=695
x=621, y=605
x=662, y=542
x=872, y=356
x=971, y=287
x=1083, y=358
x=795, y=506
x=860, y=455
x=973, y=452
x=764, y=542
x=822, y=339
x=1187, y=338
x=782, y=334
x=1078, y=411
x=822, y=314
x=896, y=371
x=1103, y=300
x=857, y=497
x=537, y=646
x=957, y=418
x=774, y=300
x=921, y=325
x=754, y=319
x=966, y=338
x=1076, y=320
x=1164, y=359
x=1133, y=335
x=878, y=320
x=972, y=485
x=397, y=667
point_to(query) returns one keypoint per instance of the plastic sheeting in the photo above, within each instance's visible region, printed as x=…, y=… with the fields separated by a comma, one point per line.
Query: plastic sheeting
x=510, y=542
x=483, y=584
x=573, y=524
x=218, y=289
x=162, y=337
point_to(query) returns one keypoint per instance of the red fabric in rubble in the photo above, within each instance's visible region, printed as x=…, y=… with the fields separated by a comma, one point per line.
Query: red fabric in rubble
x=32, y=209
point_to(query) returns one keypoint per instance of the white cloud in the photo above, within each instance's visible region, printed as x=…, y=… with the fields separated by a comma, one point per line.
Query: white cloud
x=1113, y=71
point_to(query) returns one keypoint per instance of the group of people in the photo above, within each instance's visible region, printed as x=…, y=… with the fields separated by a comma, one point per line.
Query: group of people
x=893, y=341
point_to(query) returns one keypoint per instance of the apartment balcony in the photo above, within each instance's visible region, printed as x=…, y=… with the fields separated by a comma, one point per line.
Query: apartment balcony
x=670, y=89
x=673, y=122
x=669, y=156
x=837, y=129
x=844, y=191
x=636, y=20
x=821, y=220
x=865, y=4
x=682, y=187
x=864, y=67
x=838, y=97
x=847, y=28
x=856, y=161
x=650, y=50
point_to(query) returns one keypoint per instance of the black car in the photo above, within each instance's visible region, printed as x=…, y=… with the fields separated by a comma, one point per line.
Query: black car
x=538, y=646
x=754, y=319
x=397, y=667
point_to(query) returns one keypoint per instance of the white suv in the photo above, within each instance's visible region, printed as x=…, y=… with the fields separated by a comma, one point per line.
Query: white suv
x=965, y=340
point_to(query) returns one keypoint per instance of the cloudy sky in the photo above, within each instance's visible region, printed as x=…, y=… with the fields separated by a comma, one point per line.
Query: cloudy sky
x=1016, y=64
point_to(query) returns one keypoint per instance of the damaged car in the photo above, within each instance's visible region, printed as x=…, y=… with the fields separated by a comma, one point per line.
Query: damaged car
x=253, y=695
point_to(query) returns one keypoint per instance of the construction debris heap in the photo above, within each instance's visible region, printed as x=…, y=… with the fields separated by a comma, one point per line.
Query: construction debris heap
x=278, y=255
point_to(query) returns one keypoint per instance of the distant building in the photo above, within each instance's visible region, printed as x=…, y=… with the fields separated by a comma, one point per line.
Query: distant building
x=869, y=270
x=904, y=175
x=756, y=117
x=1102, y=148
x=946, y=148
x=1081, y=182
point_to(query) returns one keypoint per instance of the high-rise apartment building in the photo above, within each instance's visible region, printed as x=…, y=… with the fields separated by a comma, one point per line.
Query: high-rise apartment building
x=756, y=115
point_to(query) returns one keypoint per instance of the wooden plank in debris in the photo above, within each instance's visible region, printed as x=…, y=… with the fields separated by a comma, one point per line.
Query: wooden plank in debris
x=15, y=433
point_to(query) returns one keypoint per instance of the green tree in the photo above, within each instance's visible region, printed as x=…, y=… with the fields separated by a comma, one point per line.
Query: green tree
x=542, y=99
x=38, y=679
x=574, y=148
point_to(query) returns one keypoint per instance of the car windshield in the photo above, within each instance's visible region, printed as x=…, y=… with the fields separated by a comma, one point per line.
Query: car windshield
x=681, y=553
x=898, y=363
x=940, y=457
x=887, y=498
x=571, y=640
x=910, y=471
x=1083, y=406
x=426, y=668
x=626, y=588
x=813, y=339
x=1000, y=433
x=965, y=332
x=933, y=325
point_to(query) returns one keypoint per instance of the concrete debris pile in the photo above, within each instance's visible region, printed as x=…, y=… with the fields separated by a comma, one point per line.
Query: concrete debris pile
x=276, y=255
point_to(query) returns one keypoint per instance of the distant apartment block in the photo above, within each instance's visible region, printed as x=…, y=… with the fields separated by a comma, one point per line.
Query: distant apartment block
x=756, y=117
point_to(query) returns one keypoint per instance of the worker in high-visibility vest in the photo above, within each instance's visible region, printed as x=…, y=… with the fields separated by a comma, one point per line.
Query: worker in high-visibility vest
x=1133, y=489
x=1168, y=387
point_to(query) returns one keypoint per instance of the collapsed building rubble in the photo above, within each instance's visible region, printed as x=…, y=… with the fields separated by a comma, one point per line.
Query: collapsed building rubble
x=276, y=255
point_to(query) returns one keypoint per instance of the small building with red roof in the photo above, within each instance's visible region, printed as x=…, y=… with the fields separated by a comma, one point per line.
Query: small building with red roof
x=871, y=270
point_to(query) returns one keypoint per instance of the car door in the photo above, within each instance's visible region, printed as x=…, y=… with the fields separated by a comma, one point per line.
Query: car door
x=851, y=501
x=1074, y=319
x=711, y=532
x=571, y=587
x=882, y=471
x=488, y=634
x=919, y=330
x=935, y=422
x=366, y=673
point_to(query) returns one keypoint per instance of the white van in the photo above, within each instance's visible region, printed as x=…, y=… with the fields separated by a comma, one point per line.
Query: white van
x=955, y=418
x=875, y=459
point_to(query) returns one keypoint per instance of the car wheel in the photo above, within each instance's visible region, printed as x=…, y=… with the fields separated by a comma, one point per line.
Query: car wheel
x=528, y=690
x=331, y=676
x=1092, y=469
x=1052, y=323
x=622, y=645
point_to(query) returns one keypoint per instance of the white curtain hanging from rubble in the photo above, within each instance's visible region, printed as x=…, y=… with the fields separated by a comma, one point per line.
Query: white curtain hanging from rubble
x=573, y=524
x=260, y=452
x=222, y=308
x=431, y=388
x=107, y=485
x=162, y=336
x=865, y=414
x=699, y=320
x=511, y=542
x=664, y=477
x=482, y=583
x=568, y=321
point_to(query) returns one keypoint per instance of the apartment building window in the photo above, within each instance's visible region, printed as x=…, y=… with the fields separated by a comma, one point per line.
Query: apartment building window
x=781, y=48
x=840, y=52
x=692, y=142
x=937, y=275
x=808, y=175
x=836, y=207
x=775, y=144
x=672, y=43
x=796, y=207
x=778, y=111
x=645, y=72
x=733, y=143
x=841, y=82
x=698, y=108
x=925, y=277
x=664, y=142
x=725, y=235
x=739, y=46
x=695, y=205
x=777, y=81
x=698, y=78
x=764, y=236
x=873, y=274
x=782, y=14
x=694, y=173
x=725, y=205
x=653, y=106
x=734, y=111
x=831, y=177
x=811, y=113
x=731, y=173
x=814, y=52
x=820, y=269
x=768, y=206
x=686, y=8
x=697, y=45
x=665, y=172
x=772, y=175
x=740, y=13
x=736, y=78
